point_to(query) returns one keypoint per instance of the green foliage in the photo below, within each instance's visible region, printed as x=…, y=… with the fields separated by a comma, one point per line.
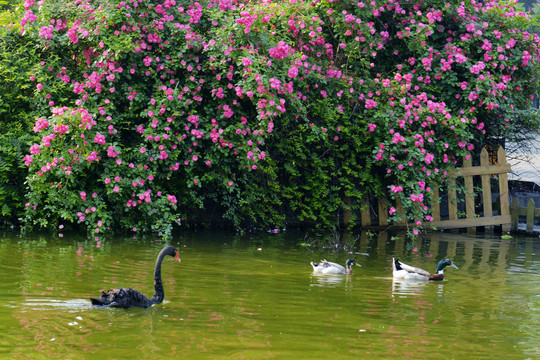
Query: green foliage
x=17, y=57
x=12, y=177
x=256, y=114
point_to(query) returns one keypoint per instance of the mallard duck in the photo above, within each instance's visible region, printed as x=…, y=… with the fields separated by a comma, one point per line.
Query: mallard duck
x=406, y=272
x=327, y=267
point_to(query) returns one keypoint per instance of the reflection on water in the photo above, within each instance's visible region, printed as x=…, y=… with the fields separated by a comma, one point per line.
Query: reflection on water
x=255, y=297
x=52, y=304
x=408, y=287
x=329, y=280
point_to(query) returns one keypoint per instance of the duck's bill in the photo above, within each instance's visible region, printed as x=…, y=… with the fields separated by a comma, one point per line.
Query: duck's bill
x=177, y=257
x=454, y=266
x=357, y=264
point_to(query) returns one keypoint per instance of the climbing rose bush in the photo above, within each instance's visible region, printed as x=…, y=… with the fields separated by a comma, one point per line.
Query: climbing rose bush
x=151, y=112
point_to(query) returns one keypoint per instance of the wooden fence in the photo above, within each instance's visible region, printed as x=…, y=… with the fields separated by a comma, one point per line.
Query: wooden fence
x=530, y=212
x=486, y=217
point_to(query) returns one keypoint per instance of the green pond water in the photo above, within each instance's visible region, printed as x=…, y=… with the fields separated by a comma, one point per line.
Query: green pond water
x=255, y=297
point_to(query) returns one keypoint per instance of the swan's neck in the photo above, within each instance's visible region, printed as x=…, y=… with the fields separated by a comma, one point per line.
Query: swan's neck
x=159, y=294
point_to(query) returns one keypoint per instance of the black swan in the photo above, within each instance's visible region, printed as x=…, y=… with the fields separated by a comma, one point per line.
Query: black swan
x=126, y=297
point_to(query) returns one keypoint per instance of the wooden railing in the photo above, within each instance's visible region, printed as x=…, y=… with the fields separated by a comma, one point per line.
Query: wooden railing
x=471, y=220
x=530, y=212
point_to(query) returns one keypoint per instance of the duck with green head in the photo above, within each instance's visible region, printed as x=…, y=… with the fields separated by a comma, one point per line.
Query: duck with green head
x=407, y=272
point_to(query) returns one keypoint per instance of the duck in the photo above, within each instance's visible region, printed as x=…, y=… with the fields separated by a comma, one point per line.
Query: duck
x=326, y=267
x=407, y=272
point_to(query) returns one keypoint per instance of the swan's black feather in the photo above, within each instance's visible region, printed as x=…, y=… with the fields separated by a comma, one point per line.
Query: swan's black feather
x=122, y=298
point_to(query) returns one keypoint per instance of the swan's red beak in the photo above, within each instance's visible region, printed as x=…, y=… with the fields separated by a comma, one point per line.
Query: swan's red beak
x=176, y=257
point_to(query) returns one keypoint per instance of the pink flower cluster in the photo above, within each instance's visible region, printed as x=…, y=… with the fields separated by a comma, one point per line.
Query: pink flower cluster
x=61, y=128
x=100, y=139
x=41, y=124
x=281, y=51
x=46, y=32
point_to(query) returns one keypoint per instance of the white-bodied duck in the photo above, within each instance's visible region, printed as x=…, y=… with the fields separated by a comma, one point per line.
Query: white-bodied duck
x=407, y=272
x=326, y=267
